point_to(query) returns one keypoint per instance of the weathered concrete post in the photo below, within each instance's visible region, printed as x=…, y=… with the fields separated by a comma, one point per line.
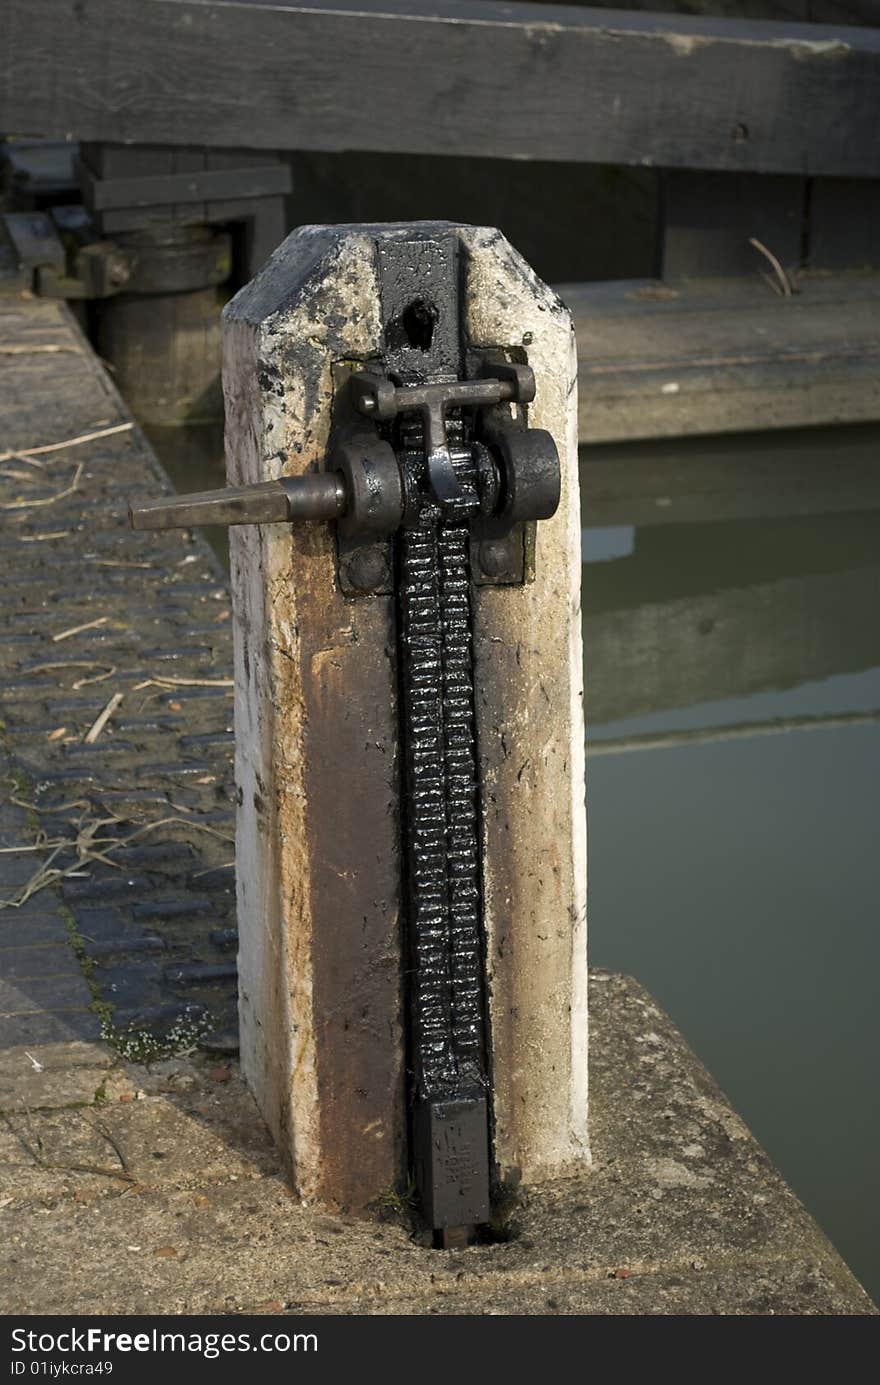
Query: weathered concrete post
x=411, y=851
x=321, y=903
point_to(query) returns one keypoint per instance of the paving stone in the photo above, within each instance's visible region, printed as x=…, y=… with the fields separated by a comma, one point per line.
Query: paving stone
x=22, y=963
x=47, y=1027
x=181, y=906
x=27, y=684
x=195, y=973
x=225, y=937
x=96, y=888
x=221, y=878
x=49, y=1075
x=98, y=923
x=16, y=926
x=175, y=769
x=162, y=853
x=224, y=739
x=60, y=775
x=130, y=983
x=159, y=1017
x=125, y=943
x=109, y=745
x=17, y=870
x=64, y=992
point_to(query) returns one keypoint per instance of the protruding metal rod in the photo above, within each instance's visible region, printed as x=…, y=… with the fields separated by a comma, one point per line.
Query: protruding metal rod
x=314, y=496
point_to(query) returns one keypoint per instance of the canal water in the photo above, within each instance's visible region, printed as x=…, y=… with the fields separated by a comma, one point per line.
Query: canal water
x=731, y=604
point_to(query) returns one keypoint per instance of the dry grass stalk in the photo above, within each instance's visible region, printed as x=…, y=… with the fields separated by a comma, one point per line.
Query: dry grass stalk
x=49, y=499
x=100, y=722
x=98, y=678
x=89, y=847
x=159, y=681
x=11, y=475
x=66, y=442
x=782, y=283
x=78, y=629
x=34, y=350
x=32, y=463
x=224, y=865
x=115, y=562
x=109, y=670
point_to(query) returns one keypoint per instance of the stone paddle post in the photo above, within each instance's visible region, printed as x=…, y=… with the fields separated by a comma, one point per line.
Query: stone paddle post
x=329, y=794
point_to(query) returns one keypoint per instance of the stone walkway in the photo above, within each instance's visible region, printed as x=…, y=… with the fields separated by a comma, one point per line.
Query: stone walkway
x=44, y=997
x=93, y=614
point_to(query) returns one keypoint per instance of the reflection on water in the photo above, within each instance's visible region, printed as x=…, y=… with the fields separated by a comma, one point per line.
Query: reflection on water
x=733, y=698
x=732, y=649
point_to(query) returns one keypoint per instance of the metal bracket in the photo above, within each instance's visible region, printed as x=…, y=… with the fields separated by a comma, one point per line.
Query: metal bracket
x=502, y=554
x=56, y=265
x=479, y=423
x=364, y=566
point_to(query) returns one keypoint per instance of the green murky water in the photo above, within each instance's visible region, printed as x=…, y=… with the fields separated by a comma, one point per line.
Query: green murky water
x=732, y=650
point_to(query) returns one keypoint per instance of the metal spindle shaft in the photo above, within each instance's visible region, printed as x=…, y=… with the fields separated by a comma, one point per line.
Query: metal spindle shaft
x=314, y=496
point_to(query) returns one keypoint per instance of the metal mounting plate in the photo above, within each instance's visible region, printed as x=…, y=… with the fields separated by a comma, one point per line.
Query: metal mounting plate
x=364, y=566
x=501, y=555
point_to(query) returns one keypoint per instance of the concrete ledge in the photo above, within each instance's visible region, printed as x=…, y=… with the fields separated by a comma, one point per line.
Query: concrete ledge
x=166, y=1197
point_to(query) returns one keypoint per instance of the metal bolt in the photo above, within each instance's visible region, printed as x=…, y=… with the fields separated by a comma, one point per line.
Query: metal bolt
x=367, y=569
x=367, y=403
x=494, y=557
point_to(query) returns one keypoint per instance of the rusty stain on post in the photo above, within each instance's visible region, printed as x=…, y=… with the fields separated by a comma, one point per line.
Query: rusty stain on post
x=319, y=903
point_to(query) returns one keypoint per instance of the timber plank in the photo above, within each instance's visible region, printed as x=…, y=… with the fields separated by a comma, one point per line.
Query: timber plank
x=512, y=81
